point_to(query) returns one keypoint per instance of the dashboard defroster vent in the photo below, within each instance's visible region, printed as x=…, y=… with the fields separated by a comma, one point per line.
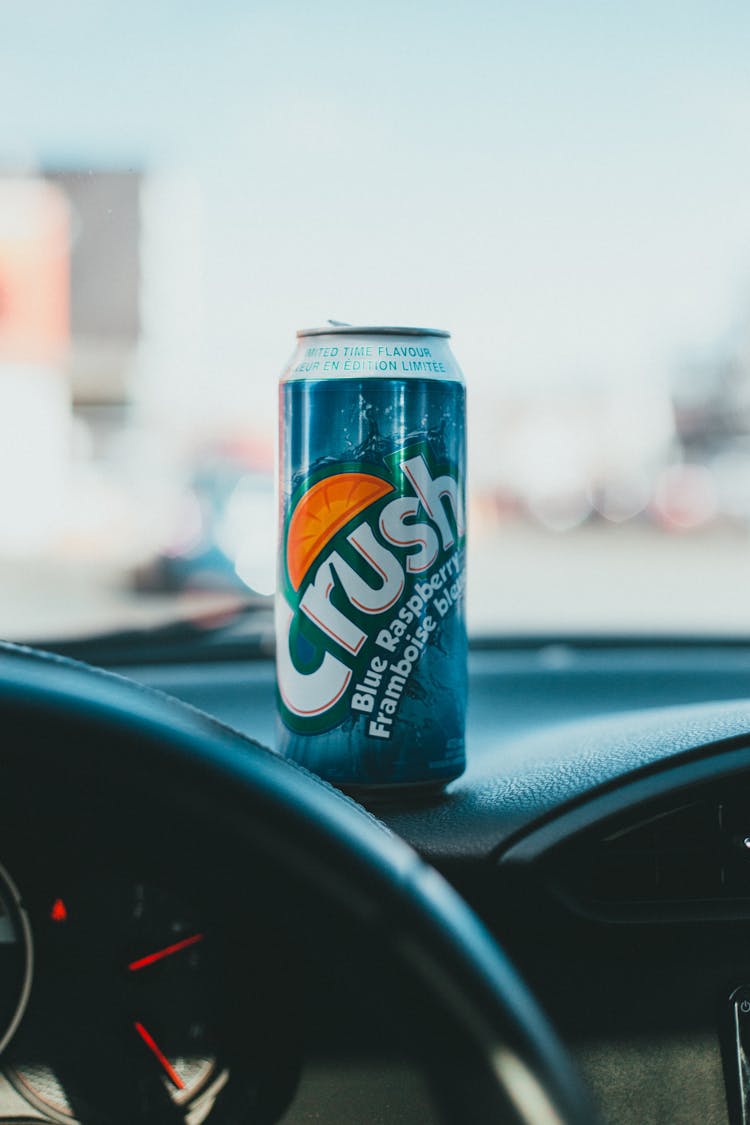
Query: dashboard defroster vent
x=691, y=852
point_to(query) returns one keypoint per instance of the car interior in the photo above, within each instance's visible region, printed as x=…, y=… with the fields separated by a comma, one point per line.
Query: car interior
x=587, y=926
x=201, y=923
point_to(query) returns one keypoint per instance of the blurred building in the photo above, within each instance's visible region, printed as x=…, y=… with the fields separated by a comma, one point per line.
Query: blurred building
x=105, y=282
x=35, y=224
x=711, y=403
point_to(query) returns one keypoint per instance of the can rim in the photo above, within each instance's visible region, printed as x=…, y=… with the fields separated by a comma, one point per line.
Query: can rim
x=370, y=330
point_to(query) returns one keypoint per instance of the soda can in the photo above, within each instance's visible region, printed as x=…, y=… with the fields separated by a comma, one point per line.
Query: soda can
x=370, y=622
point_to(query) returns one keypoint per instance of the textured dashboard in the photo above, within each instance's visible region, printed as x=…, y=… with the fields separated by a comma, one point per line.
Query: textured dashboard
x=545, y=726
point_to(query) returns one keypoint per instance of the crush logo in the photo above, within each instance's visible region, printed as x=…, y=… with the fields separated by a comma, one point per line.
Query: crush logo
x=371, y=565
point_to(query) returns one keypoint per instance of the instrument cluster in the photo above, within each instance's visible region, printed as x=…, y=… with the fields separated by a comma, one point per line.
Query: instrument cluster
x=126, y=997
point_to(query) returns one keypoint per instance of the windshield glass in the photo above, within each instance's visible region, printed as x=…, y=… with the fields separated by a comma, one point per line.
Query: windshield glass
x=563, y=187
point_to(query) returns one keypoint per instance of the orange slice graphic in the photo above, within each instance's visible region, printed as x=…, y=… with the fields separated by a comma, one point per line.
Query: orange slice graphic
x=322, y=511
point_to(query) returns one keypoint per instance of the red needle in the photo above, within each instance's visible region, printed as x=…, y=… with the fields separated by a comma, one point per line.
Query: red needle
x=159, y=1054
x=142, y=962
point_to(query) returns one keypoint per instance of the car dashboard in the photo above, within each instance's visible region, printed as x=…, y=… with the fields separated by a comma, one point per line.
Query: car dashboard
x=601, y=831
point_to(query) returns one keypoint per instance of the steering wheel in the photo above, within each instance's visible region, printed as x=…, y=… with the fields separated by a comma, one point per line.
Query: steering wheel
x=73, y=729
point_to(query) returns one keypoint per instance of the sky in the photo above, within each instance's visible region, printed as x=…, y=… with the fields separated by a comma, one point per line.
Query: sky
x=561, y=185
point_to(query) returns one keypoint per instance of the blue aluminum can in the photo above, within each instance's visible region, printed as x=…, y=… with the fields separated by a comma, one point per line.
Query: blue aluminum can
x=370, y=622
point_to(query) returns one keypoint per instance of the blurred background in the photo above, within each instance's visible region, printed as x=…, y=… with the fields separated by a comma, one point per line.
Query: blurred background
x=564, y=187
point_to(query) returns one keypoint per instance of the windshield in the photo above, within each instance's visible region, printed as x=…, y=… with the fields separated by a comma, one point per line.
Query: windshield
x=563, y=187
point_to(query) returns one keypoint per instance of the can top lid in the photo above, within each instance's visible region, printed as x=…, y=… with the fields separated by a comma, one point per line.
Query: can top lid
x=336, y=328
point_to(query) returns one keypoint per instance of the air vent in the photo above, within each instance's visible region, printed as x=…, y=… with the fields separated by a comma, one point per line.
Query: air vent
x=697, y=851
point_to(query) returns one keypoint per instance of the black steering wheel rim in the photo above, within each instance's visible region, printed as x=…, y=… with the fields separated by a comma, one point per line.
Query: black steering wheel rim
x=357, y=864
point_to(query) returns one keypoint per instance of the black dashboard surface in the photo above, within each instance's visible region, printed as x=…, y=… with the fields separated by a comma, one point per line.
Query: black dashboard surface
x=546, y=726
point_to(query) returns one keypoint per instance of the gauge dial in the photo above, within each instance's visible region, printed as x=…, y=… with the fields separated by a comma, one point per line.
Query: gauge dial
x=124, y=1023
x=15, y=959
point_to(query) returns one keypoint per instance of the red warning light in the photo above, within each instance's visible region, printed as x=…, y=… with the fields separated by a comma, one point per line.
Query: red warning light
x=59, y=911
